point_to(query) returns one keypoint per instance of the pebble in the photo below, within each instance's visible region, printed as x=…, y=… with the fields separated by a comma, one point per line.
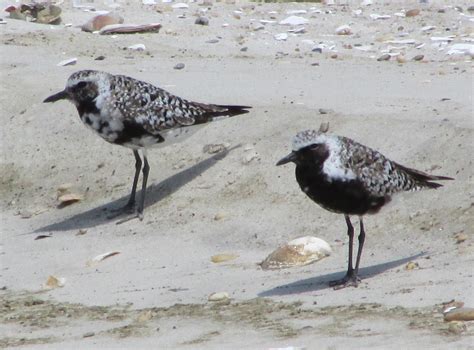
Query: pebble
x=294, y=21
x=401, y=59
x=219, y=216
x=212, y=41
x=418, y=57
x=204, y=21
x=298, y=252
x=69, y=198
x=145, y=316
x=180, y=5
x=99, y=58
x=384, y=57
x=460, y=237
x=411, y=265
x=219, y=296
x=281, y=36
x=88, y=334
x=460, y=314
x=257, y=26
x=137, y=47
x=213, y=148
x=412, y=13
x=344, y=30
x=179, y=66
x=219, y=258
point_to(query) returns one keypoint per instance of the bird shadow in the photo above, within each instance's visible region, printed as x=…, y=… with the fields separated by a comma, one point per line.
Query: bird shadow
x=154, y=194
x=314, y=284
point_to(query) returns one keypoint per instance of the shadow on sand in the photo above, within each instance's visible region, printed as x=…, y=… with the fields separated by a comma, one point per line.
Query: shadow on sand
x=155, y=193
x=314, y=284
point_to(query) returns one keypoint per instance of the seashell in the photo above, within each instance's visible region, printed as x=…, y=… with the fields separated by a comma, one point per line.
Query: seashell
x=219, y=296
x=69, y=198
x=137, y=47
x=344, y=30
x=294, y=21
x=219, y=258
x=54, y=282
x=101, y=257
x=418, y=57
x=377, y=16
x=180, y=5
x=412, y=13
x=460, y=314
x=298, y=252
x=98, y=22
x=130, y=28
x=68, y=62
x=384, y=57
x=412, y=265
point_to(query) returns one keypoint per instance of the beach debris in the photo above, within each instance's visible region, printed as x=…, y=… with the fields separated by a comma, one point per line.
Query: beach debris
x=297, y=252
x=54, y=282
x=412, y=13
x=88, y=334
x=461, y=49
x=219, y=216
x=281, y=36
x=460, y=237
x=68, y=199
x=212, y=41
x=299, y=30
x=401, y=59
x=204, y=21
x=218, y=296
x=101, y=257
x=220, y=258
x=180, y=5
x=44, y=13
x=257, y=26
x=459, y=314
x=137, y=47
x=442, y=38
x=344, y=30
x=294, y=21
x=418, y=57
x=179, y=66
x=214, y=148
x=98, y=22
x=384, y=57
x=81, y=232
x=411, y=266
x=296, y=12
x=144, y=316
x=377, y=16
x=68, y=62
x=427, y=28
x=42, y=237
x=130, y=28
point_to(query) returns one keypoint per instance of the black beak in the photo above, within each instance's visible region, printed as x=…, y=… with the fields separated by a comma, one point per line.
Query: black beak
x=56, y=97
x=289, y=158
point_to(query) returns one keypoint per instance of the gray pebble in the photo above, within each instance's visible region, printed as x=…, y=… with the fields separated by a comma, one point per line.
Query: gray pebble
x=384, y=57
x=204, y=21
x=179, y=66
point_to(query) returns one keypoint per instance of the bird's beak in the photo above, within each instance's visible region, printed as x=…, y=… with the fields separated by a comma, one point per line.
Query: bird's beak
x=289, y=158
x=56, y=97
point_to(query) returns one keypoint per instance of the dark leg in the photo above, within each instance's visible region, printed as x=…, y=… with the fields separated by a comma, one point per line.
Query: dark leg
x=350, y=279
x=146, y=170
x=361, y=245
x=130, y=206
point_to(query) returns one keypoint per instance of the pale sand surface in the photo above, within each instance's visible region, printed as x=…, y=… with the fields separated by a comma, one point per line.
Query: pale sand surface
x=154, y=293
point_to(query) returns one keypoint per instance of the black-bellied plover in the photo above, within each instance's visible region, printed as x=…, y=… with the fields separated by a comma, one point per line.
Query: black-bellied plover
x=137, y=115
x=346, y=177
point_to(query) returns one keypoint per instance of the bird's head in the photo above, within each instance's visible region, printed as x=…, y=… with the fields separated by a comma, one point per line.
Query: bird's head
x=308, y=147
x=81, y=87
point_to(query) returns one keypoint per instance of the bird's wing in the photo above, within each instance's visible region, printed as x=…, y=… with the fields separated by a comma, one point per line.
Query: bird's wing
x=156, y=109
x=379, y=175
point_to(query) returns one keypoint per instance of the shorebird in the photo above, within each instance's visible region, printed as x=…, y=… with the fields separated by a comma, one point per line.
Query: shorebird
x=138, y=115
x=348, y=178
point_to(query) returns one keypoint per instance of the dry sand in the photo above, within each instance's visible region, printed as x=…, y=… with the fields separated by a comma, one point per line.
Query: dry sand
x=154, y=293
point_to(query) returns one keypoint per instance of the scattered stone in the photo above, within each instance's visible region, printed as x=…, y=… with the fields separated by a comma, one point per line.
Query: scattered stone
x=412, y=13
x=298, y=252
x=401, y=59
x=68, y=62
x=179, y=66
x=213, y=148
x=411, y=266
x=98, y=22
x=81, y=232
x=180, y=5
x=137, y=47
x=68, y=199
x=88, y=334
x=459, y=314
x=203, y=21
x=219, y=296
x=418, y=57
x=460, y=237
x=384, y=57
x=294, y=21
x=257, y=26
x=54, y=282
x=99, y=58
x=334, y=56
x=244, y=49
x=220, y=258
x=212, y=41
x=281, y=36
x=377, y=16
x=144, y=316
x=344, y=30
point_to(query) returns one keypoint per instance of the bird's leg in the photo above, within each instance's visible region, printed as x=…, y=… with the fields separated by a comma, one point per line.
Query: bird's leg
x=350, y=279
x=146, y=170
x=361, y=245
x=128, y=208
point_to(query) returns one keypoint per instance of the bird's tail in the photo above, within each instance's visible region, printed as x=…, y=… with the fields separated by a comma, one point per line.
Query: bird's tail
x=424, y=179
x=229, y=111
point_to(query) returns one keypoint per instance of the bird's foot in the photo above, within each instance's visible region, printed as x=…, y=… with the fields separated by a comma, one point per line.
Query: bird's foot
x=136, y=215
x=349, y=280
x=128, y=209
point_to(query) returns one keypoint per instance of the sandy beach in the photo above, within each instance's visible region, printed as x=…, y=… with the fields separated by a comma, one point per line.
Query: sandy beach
x=153, y=294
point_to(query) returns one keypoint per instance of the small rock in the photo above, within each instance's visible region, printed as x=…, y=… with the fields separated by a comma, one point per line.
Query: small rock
x=180, y=5
x=88, y=334
x=456, y=327
x=401, y=59
x=99, y=58
x=203, y=21
x=249, y=157
x=412, y=13
x=81, y=232
x=68, y=199
x=344, y=30
x=334, y=56
x=384, y=57
x=179, y=66
x=418, y=57
x=219, y=258
x=460, y=237
x=144, y=316
x=257, y=26
x=281, y=36
x=411, y=266
x=460, y=314
x=219, y=296
x=244, y=49
x=219, y=216
x=55, y=282
x=294, y=21
x=213, y=148
x=323, y=111
x=68, y=62
x=212, y=41
x=137, y=47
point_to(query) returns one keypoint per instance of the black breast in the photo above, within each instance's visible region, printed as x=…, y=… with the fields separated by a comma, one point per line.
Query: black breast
x=133, y=132
x=347, y=197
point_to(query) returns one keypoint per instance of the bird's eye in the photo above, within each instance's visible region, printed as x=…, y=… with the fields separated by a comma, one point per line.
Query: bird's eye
x=81, y=85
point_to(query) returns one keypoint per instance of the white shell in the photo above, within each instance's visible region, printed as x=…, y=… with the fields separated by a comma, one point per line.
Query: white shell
x=294, y=21
x=298, y=252
x=344, y=30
